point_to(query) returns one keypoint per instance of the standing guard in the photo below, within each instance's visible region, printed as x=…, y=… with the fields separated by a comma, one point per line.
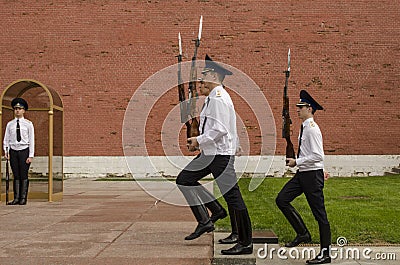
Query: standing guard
x=19, y=147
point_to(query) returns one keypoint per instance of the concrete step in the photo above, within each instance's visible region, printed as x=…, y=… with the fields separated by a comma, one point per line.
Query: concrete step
x=220, y=259
x=265, y=236
x=390, y=173
x=396, y=170
x=259, y=237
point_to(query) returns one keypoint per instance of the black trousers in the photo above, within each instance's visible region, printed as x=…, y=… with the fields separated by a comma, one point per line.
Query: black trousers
x=223, y=170
x=312, y=184
x=18, y=163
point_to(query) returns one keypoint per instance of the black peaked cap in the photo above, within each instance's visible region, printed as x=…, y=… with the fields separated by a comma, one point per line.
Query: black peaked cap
x=213, y=66
x=20, y=103
x=306, y=99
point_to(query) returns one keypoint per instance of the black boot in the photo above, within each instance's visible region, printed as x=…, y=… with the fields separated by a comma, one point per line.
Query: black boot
x=217, y=211
x=294, y=218
x=304, y=238
x=215, y=216
x=325, y=239
x=233, y=237
x=204, y=223
x=322, y=258
x=199, y=211
x=16, y=189
x=24, y=191
x=244, y=245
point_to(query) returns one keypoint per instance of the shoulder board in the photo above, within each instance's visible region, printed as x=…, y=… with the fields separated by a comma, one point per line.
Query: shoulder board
x=218, y=94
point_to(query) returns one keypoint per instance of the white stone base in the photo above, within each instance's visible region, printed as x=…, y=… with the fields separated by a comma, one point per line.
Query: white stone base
x=101, y=166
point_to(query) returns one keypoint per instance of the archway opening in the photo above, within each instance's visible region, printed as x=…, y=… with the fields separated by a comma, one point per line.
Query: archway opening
x=46, y=113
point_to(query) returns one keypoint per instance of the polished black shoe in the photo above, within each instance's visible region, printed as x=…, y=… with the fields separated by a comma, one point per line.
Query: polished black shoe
x=22, y=201
x=221, y=215
x=319, y=260
x=201, y=229
x=231, y=239
x=14, y=202
x=305, y=238
x=238, y=249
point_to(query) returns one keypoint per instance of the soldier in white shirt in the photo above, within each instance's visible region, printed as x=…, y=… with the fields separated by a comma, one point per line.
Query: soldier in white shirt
x=309, y=179
x=19, y=147
x=217, y=142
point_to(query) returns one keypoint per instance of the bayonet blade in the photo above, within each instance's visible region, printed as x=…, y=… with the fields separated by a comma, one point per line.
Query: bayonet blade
x=180, y=43
x=200, y=28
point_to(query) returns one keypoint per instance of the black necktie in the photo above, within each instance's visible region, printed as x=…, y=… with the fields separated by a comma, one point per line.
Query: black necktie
x=18, y=132
x=205, y=118
x=204, y=104
x=301, y=134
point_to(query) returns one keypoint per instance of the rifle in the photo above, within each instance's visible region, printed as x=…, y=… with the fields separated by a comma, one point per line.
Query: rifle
x=7, y=178
x=181, y=86
x=286, y=116
x=188, y=111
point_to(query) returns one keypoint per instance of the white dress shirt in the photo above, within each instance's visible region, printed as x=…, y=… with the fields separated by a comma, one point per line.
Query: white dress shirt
x=218, y=136
x=311, y=155
x=27, y=136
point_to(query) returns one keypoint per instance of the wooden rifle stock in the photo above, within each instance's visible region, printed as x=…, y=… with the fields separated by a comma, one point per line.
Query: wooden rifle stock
x=7, y=179
x=287, y=121
x=286, y=128
x=188, y=109
x=193, y=124
x=181, y=92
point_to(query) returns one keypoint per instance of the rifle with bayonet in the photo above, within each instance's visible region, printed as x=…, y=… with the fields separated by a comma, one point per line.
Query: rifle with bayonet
x=188, y=109
x=286, y=132
x=181, y=86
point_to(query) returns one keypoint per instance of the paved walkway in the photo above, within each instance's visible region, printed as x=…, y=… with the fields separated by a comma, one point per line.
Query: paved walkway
x=108, y=222
x=100, y=222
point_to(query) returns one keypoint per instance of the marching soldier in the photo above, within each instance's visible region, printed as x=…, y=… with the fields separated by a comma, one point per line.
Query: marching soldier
x=309, y=179
x=218, y=142
x=19, y=139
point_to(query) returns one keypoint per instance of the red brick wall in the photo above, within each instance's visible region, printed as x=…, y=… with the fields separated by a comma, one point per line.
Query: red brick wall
x=96, y=53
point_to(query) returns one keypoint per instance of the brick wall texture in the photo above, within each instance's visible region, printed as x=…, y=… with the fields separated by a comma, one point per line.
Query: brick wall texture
x=95, y=54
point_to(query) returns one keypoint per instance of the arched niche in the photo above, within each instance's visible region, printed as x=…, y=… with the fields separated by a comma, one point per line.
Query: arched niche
x=46, y=112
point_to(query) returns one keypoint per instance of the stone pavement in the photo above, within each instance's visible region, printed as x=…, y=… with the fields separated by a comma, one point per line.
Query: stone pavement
x=116, y=222
x=100, y=222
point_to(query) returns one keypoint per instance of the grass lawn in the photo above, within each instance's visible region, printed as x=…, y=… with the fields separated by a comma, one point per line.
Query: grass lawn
x=361, y=209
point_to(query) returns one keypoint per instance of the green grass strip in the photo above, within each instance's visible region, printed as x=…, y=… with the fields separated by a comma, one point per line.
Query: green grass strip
x=364, y=210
